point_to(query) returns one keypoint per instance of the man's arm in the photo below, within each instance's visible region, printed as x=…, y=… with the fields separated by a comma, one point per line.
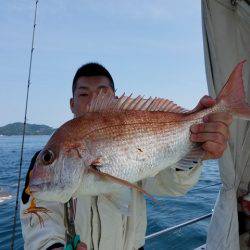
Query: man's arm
x=172, y=182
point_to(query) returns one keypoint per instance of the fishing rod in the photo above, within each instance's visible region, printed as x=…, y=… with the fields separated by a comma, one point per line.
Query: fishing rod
x=24, y=129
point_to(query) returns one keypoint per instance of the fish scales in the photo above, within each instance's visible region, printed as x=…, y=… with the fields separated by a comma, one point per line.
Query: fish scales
x=131, y=149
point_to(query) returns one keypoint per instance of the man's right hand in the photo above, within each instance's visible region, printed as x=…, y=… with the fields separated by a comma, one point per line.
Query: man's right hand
x=80, y=246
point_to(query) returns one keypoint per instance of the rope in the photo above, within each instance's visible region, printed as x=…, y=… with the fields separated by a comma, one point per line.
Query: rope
x=24, y=128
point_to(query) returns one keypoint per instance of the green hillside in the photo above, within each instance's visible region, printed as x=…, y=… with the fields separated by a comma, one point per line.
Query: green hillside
x=31, y=129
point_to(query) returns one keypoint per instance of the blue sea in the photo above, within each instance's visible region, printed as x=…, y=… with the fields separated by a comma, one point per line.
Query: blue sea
x=170, y=211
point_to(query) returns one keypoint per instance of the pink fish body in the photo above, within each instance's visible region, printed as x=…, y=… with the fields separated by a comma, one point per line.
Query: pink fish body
x=125, y=138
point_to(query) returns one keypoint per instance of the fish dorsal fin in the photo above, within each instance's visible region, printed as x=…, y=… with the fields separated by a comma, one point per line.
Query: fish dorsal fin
x=108, y=102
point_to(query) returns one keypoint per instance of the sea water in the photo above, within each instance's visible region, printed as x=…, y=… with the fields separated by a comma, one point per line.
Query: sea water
x=168, y=212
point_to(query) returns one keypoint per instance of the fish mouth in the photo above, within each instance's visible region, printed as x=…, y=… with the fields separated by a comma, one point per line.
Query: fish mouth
x=48, y=192
x=45, y=187
x=40, y=187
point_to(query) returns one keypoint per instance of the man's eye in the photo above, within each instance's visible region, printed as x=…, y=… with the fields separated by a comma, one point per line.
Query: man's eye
x=103, y=88
x=84, y=95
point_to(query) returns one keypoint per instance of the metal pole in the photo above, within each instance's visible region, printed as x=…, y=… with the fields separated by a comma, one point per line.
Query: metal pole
x=167, y=230
x=24, y=128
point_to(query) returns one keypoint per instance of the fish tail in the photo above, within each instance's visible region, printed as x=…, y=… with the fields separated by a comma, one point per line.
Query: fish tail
x=232, y=95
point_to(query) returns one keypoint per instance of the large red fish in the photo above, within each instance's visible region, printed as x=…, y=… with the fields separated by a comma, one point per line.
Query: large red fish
x=122, y=141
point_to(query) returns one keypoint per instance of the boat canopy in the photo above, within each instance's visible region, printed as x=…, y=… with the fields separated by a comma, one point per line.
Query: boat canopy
x=226, y=38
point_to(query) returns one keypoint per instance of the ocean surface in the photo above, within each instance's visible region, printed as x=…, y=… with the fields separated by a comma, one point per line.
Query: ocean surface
x=169, y=212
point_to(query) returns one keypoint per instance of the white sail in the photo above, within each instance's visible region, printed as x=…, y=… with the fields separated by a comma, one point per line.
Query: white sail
x=226, y=35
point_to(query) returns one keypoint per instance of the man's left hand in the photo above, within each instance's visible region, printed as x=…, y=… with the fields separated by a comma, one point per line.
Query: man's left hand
x=213, y=133
x=81, y=246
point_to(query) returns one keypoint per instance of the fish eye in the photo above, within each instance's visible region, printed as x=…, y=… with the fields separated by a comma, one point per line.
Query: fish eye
x=47, y=157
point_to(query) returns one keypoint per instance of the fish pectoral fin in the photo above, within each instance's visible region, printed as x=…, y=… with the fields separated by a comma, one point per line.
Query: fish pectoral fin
x=120, y=200
x=195, y=156
x=122, y=182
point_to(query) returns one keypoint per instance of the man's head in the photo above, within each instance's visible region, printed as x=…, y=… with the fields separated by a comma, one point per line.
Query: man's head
x=89, y=78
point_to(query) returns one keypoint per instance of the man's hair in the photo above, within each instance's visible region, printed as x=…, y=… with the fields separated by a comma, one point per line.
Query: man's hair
x=92, y=69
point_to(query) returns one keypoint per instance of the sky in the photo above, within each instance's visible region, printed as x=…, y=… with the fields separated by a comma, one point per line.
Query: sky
x=151, y=48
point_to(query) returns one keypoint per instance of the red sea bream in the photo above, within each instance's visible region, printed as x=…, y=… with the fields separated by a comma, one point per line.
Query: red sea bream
x=121, y=141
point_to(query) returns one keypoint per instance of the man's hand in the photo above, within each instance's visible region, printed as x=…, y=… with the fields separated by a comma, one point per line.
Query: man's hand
x=81, y=246
x=213, y=133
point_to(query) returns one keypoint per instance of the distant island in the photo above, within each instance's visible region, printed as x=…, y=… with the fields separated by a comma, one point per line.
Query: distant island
x=31, y=129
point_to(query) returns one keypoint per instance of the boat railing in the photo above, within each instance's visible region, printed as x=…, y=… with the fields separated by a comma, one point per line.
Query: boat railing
x=184, y=224
x=179, y=226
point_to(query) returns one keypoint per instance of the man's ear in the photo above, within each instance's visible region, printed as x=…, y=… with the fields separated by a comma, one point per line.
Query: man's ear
x=72, y=105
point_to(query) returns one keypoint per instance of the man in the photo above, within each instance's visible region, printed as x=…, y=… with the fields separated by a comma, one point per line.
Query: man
x=100, y=224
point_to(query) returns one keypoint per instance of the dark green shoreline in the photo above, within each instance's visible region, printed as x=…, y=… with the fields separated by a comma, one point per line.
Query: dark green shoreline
x=31, y=129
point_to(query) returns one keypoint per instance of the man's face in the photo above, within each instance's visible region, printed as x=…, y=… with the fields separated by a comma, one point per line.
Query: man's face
x=85, y=87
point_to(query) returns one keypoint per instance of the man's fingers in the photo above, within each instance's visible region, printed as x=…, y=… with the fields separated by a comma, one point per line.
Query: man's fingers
x=207, y=101
x=211, y=127
x=223, y=117
x=213, y=133
x=204, y=137
x=81, y=246
x=213, y=150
